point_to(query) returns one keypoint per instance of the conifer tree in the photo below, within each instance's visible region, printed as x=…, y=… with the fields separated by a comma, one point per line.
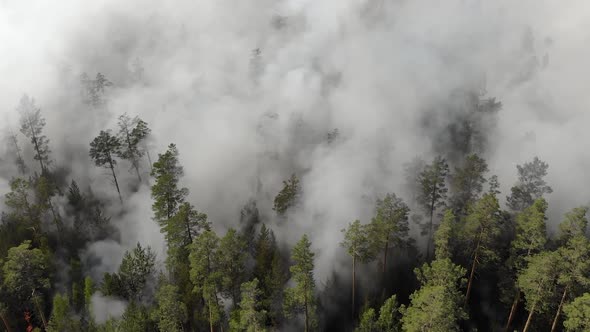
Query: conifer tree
x=32, y=124
x=301, y=297
x=443, y=236
x=249, y=316
x=132, y=132
x=166, y=193
x=437, y=305
x=390, y=226
x=170, y=312
x=103, y=150
x=577, y=314
x=232, y=263
x=481, y=230
x=20, y=162
x=537, y=282
x=467, y=183
x=432, y=194
x=288, y=196
x=205, y=274
x=359, y=248
x=530, y=186
x=530, y=239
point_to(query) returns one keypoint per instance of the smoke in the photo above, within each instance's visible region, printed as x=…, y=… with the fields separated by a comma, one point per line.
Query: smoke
x=249, y=91
x=105, y=308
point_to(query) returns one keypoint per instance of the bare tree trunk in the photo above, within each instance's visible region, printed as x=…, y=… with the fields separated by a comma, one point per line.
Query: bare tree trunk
x=529, y=319
x=472, y=273
x=512, y=310
x=556, y=319
x=306, y=313
x=353, y=281
x=8, y=329
x=385, y=258
x=210, y=318
x=116, y=182
x=429, y=241
x=41, y=314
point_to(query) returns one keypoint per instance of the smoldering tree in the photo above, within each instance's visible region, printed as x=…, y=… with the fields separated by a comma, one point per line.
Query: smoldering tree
x=103, y=150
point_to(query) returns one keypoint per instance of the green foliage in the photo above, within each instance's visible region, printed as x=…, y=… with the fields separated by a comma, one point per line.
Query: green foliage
x=132, y=132
x=136, y=270
x=368, y=321
x=32, y=124
x=61, y=316
x=165, y=192
x=443, y=236
x=270, y=272
x=531, y=185
x=288, y=196
x=575, y=223
x=135, y=319
x=389, y=228
x=301, y=298
x=530, y=237
x=437, y=305
x=577, y=314
x=389, y=317
x=205, y=274
x=104, y=148
x=467, y=183
x=249, y=316
x=26, y=270
x=357, y=241
x=170, y=312
x=482, y=228
x=232, y=263
x=537, y=280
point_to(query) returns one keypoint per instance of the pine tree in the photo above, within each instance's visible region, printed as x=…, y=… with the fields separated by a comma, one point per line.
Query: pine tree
x=20, y=162
x=136, y=270
x=32, y=124
x=531, y=185
x=390, y=226
x=205, y=274
x=103, y=150
x=574, y=265
x=132, y=132
x=537, y=282
x=249, y=316
x=166, y=194
x=432, y=193
x=359, y=247
x=467, y=183
x=301, y=297
x=170, y=312
x=577, y=314
x=288, y=196
x=530, y=238
x=389, y=317
x=232, y=263
x=481, y=230
x=61, y=319
x=443, y=236
x=436, y=306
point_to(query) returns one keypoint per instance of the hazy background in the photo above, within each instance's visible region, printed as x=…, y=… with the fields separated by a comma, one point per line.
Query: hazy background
x=244, y=122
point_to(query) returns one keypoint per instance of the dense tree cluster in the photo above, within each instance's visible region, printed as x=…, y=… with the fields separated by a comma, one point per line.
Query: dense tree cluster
x=442, y=254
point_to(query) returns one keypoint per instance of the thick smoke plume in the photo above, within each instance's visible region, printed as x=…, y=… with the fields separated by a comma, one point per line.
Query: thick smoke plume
x=250, y=90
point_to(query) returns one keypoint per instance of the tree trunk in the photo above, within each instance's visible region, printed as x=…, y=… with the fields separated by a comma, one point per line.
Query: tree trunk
x=306, y=313
x=528, y=320
x=115, y=178
x=5, y=323
x=471, y=274
x=512, y=310
x=149, y=159
x=554, y=325
x=384, y=268
x=429, y=241
x=41, y=314
x=353, y=281
x=210, y=318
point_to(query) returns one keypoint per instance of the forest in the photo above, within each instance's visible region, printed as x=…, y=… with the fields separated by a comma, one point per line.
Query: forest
x=471, y=266
x=294, y=165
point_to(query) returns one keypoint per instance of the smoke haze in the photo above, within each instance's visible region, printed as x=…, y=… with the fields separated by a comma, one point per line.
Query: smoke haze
x=249, y=90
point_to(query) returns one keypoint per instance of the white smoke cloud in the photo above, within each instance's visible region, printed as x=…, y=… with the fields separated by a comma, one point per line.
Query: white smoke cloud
x=369, y=68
